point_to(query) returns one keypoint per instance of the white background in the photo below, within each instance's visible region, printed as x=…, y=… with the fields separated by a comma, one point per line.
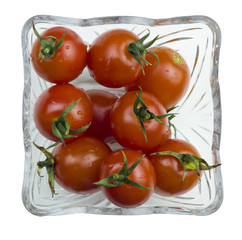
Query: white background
x=18, y=222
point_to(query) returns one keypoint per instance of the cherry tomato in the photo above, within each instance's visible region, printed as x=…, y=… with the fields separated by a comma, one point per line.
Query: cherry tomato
x=68, y=61
x=77, y=164
x=51, y=104
x=102, y=104
x=169, y=170
x=127, y=195
x=109, y=61
x=168, y=80
x=127, y=129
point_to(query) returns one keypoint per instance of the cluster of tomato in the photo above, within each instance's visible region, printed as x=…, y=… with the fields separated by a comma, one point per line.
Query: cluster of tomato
x=80, y=122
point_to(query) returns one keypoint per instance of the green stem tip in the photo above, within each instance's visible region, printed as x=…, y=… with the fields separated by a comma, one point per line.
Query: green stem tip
x=122, y=177
x=143, y=114
x=49, y=47
x=189, y=162
x=48, y=163
x=138, y=49
x=170, y=118
x=61, y=127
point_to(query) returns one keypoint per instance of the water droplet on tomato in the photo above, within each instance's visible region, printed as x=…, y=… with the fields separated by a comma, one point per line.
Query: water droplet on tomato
x=79, y=112
x=67, y=47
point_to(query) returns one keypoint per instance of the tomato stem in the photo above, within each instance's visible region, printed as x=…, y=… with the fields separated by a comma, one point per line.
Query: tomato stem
x=189, y=162
x=118, y=177
x=48, y=163
x=121, y=177
x=61, y=127
x=143, y=114
x=138, y=49
x=49, y=46
x=170, y=118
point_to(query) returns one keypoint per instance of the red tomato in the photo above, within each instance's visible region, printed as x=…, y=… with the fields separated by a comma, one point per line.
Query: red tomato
x=77, y=164
x=126, y=127
x=126, y=195
x=109, y=61
x=102, y=104
x=169, y=170
x=168, y=80
x=53, y=101
x=68, y=61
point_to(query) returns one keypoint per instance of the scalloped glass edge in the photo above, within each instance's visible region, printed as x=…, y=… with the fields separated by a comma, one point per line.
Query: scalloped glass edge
x=214, y=83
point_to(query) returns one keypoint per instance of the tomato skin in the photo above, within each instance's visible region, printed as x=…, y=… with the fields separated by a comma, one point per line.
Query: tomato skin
x=77, y=164
x=53, y=101
x=126, y=195
x=109, y=61
x=68, y=61
x=169, y=80
x=169, y=171
x=102, y=104
x=126, y=128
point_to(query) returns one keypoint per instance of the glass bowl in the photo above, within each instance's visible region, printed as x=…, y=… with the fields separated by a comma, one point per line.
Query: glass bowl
x=197, y=39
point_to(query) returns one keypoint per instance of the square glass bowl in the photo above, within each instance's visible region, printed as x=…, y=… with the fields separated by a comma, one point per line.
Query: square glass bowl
x=197, y=39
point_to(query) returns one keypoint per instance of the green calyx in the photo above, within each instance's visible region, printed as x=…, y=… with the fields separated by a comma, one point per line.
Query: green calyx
x=138, y=49
x=49, y=165
x=143, y=114
x=189, y=162
x=122, y=177
x=49, y=47
x=61, y=127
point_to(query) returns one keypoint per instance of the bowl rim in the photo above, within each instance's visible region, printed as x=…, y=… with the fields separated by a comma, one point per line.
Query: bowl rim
x=95, y=21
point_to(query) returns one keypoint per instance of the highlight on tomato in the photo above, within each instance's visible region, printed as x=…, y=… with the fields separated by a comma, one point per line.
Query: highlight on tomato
x=168, y=79
x=178, y=166
x=76, y=165
x=116, y=57
x=103, y=102
x=58, y=54
x=63, y=112
x=139, y=121
x=127, y=178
